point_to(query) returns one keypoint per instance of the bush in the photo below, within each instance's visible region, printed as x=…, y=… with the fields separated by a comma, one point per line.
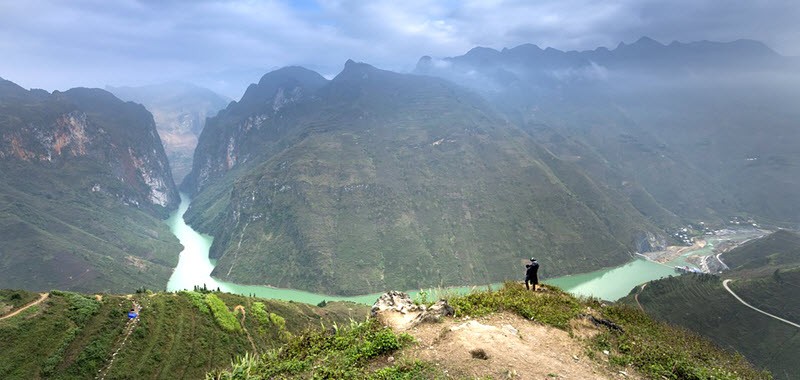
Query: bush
x=224, y=317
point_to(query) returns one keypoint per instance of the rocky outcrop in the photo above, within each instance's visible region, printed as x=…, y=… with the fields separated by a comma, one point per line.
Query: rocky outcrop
x=89, y=125
x=398, y=310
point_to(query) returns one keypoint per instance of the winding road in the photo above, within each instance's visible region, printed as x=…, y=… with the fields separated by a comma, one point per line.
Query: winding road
x=42, y=297
x=725, y=284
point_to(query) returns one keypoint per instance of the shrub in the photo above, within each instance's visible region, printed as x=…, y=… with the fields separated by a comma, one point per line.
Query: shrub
x=224, y=317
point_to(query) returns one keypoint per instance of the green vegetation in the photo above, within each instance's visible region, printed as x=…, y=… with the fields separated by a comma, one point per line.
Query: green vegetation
x=71, y=336
x=699, y=303
x=762, y=256
x=75, y=208
x=656, y=350
x=553, y=307
x=224, y=317
x=11, y=299
x=324, y=354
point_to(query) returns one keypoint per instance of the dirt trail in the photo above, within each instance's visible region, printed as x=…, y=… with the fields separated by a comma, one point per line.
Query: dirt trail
x=244, y=315
x=506, y=346
x=725, y=284
x=129, y=327
x=636, y=297
x=42, y=297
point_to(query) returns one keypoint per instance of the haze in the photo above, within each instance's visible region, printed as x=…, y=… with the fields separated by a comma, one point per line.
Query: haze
x=226, y=45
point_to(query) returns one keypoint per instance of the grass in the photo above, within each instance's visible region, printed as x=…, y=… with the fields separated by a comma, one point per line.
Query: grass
x=552, y=307
x=700, y=304
x=11, y=299
x=331, y=354
x=654, y=349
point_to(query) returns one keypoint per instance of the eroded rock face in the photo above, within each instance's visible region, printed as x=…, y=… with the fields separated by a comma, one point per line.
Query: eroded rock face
x=89, y=129
x=398, y=310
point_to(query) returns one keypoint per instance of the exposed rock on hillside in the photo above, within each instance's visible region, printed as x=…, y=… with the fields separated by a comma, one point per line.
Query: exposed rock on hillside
x=180, y=111
x=84, y=183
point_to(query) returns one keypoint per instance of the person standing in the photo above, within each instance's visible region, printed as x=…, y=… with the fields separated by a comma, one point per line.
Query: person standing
x=532, y=274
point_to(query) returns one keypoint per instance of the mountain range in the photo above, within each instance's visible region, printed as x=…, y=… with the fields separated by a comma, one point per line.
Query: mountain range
x=377, y=180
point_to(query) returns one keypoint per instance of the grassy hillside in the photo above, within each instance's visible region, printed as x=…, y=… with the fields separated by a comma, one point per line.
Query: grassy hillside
x=58, y=234
x=640, y=345
x=700, y=303
x=781, y=248
x=178, y=335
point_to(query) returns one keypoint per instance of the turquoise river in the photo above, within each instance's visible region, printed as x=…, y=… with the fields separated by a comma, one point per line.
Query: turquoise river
x=194, y=268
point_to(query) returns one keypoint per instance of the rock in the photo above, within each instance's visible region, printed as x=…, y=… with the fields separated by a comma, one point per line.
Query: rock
x=479, y=353
x=435, y=313
x=511, y=329
x=394, y=301
x=411, y=314
x=605, y=352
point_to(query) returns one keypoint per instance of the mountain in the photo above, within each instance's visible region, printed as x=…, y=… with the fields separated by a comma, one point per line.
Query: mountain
x=777, y=250
x=180, y=111
x=377, y=180
x=85, y=182
x=766, y=273
x=699, y=131
x=180, y=335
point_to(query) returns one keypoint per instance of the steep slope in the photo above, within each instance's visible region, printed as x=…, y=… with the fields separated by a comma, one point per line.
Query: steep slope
x=177, y=336
x=380, y=180
x=85, y=179
x=689, y=131
x=766, y=275
x=180, y=111
x=700, y=303
x=776, y=250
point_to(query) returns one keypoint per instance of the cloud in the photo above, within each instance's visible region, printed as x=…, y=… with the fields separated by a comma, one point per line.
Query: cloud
x=58, y=44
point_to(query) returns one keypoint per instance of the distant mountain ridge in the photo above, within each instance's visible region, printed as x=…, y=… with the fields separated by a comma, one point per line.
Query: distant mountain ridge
x=377, y=180
x=695, y=131
x=85, y=181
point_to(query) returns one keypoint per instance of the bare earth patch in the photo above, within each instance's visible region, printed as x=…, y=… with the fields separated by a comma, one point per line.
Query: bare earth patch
x=506, y=346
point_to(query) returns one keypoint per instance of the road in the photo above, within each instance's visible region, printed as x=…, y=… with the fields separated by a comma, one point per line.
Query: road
x=725, y=284
x=42, y=297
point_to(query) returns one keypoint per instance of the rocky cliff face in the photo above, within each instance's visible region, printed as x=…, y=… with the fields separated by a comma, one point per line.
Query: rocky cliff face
x=229, y=140
x=85, y=184
x=90, y=125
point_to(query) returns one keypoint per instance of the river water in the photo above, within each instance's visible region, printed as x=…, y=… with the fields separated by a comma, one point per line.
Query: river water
x=194, y=268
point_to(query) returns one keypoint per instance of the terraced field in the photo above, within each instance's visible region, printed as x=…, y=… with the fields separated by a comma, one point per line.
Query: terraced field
x=72, y=336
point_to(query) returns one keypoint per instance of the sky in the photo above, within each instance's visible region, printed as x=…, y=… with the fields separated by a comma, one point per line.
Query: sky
x=225, y=45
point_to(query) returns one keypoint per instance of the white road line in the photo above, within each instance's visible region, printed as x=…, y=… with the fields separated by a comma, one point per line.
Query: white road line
x=725, y=284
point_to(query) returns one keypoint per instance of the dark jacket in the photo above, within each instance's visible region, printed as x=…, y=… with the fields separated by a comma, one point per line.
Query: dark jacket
x=533, y=270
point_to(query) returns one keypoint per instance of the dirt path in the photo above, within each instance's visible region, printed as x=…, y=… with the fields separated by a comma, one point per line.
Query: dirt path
x=42, y=297
x=506, y=346
x=725, y=284
x=129, y=327
x=244, y=315
x=636, y=297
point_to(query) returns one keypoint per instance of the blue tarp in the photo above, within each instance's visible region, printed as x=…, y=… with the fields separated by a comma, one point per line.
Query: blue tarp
x=132, y=315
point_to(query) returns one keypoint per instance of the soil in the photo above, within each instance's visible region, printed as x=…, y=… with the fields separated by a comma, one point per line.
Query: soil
x=42, y=297
x=506, y=346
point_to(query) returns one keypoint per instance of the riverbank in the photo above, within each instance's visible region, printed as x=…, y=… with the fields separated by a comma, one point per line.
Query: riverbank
x=194, y=269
